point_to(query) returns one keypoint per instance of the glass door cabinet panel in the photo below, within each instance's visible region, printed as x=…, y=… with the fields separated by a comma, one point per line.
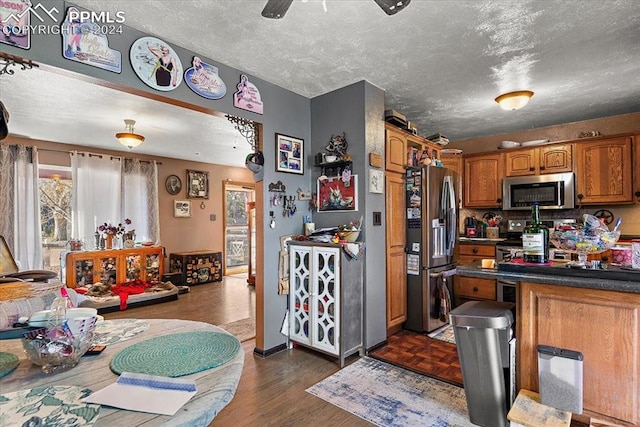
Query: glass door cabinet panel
x=113, y=266
x=324, y=314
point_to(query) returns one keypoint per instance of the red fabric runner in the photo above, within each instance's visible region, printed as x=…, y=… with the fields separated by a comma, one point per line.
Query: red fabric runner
x=129, y=288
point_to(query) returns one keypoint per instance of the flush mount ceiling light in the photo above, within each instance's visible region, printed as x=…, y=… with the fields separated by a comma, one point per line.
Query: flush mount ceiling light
x=129, y=138
x=514, y=100
x=275, y=9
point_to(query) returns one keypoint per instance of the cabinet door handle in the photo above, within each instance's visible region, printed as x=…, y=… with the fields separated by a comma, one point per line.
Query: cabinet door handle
x=580, y=196
x=474, y=250
x=499, y=200
x=475, y=289
x=638, y=193
x=541, y=167
x=532, y=168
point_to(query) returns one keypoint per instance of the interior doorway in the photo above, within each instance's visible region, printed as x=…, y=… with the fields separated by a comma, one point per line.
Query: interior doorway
x=238, y=197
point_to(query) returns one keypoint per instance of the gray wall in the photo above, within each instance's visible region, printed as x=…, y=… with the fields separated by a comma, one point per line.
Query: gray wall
x=284, y=112
x=357, y=110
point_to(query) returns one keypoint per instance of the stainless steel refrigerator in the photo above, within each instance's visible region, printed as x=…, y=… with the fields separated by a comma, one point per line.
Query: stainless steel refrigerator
x=432, y=235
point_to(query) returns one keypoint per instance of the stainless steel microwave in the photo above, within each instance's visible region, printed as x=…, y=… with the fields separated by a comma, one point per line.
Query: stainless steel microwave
x=552, y=191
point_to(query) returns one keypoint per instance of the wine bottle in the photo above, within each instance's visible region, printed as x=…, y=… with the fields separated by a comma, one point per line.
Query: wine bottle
x=535, y=239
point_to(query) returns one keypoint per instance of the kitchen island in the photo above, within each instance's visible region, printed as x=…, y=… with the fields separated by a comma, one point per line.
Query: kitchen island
x=597, y=316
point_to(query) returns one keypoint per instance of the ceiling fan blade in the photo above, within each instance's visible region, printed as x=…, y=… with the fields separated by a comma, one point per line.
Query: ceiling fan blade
x=391, y=7
x=276, y=9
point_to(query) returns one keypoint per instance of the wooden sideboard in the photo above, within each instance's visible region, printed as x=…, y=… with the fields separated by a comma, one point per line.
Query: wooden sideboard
x=114, y=266
x=196, y=267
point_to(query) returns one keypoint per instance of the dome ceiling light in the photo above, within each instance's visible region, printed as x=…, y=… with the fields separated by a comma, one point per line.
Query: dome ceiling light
x=514, y=100
x=129, y=138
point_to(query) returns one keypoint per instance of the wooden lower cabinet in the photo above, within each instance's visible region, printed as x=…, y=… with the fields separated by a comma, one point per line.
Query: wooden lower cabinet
x=114, y=266
x=473, y=288
x=603, y=325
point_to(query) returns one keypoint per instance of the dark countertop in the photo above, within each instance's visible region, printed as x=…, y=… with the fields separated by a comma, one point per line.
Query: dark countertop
x=538, y=275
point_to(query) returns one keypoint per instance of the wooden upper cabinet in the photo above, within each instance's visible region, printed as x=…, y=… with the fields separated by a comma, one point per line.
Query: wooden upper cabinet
x=483, y=180
x=453, y=162
x=553, y=158
x=395, y=150
x=400, y=145
x=604, y=171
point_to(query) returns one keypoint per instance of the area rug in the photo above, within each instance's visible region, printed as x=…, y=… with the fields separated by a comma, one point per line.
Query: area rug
x=176, y=355
x=389, y=396
x=243, y=329
x=444, y=333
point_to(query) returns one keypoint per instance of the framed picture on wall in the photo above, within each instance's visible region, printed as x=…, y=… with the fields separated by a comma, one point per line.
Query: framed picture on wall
x=182, y=208
x=173, y=184
x=197, y=184
x=290, y=156
x=334, y=194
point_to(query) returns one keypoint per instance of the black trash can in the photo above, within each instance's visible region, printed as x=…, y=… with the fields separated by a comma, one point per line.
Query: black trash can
x=486, y=349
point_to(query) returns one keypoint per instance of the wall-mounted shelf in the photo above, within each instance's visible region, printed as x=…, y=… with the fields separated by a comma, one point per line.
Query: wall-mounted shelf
x=331, y=169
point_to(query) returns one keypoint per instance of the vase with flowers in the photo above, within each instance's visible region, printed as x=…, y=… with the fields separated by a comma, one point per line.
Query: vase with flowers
x=111, y=232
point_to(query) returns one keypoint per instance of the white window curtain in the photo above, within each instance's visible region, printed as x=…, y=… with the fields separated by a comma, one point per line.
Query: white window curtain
x=20, y=204
x=140, y=199
x=96, y=196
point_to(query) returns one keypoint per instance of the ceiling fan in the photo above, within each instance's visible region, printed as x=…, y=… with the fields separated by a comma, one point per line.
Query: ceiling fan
x=276, y=9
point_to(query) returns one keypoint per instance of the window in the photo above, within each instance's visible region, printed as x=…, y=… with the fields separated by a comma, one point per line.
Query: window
x=55, y=187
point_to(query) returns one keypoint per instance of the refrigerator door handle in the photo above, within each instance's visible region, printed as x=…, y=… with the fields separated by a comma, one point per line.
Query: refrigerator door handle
x=448, y=203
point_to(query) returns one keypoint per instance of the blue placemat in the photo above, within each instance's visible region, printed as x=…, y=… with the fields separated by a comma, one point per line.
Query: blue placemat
x=8, y=362
x=176, y=355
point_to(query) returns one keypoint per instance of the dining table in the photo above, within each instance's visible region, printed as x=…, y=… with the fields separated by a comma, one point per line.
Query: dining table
x=215, y=387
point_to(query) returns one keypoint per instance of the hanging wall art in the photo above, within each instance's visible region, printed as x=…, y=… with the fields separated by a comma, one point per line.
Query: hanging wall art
x=197, y=184
x=290, y=156
x=86, y=41
x=204, y=80
x=248, y=96
x=336, y=194
x=15, y=23
x=156, y=63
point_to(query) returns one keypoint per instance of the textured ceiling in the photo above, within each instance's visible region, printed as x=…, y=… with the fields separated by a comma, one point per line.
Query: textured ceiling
x=441, y=63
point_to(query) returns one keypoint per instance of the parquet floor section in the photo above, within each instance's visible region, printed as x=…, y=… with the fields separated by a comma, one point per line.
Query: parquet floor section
x=421, y=354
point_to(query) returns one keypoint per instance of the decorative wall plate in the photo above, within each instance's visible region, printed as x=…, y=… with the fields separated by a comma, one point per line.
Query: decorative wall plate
x=156, y=63
x=204, y=80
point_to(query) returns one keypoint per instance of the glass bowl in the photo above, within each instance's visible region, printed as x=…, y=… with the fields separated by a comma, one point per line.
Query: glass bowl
x=584, y=243
x=53, y=350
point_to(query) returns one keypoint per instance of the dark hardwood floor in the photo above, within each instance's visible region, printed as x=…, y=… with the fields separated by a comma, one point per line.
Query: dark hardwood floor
x=271, y=391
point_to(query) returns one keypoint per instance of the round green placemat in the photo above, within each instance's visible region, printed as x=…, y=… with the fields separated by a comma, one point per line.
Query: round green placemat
x=176, y=355
x=8, y=362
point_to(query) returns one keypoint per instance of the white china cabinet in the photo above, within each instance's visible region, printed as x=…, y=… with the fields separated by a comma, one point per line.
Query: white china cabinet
x=325, y=299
